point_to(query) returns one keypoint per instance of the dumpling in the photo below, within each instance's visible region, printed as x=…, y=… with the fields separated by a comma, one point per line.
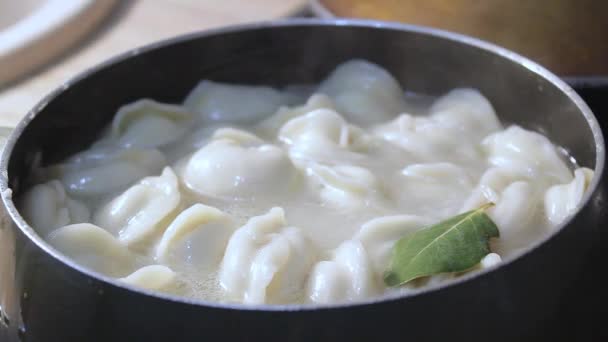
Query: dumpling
x=102, y=171
x=467, y=111
x=147, y=123
x=348, y=276
x=266, y=261
x=490, y=260
x=435, y=189
x=241, y=137
x=436, y=172
x=46, y=207
x=239, y=168
x=379, y=235
x=93, y=247
x=563, y=199
x=203, y=136
x=197, y=236
x=493, y=181
x=323, y=136
x=508, y=190
x=514, y=210
x=346, y=186
x=364, y=92
x=193, y=141
x=232, y=103
x=153, y=277
x=428, y=140
x=136, y=214
x=528, y=153
x=270, y=126
x=462, y=115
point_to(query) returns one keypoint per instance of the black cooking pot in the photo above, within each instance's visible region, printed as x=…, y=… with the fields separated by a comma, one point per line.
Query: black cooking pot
x=45, y=296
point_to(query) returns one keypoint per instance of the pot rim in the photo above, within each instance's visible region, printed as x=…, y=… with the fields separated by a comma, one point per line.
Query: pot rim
x=513, y=57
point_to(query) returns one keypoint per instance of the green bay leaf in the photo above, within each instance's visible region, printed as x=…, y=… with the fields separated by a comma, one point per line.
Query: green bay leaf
x=453, y=245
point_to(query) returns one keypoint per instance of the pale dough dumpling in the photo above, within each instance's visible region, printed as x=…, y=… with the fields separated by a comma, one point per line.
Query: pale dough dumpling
x=514, y=220
x=102, y=171
x=380, y=234
x=270, y=126
x=136, y=214
x=323, y=136
x=528, y=153
x=94, y=248
x=153, y=277
x=201, y=137
x=426, y=140
x=239, y=136
x=364, y=92
x=467, y=112
x=434, y=188
x=266, y=261
x=562, y=200
x=490, y=260
x=147, y=123
x=346, y=186
x=229, y=168
x=493, y=181
x=348, y=276
x=508, y=190
x=232, y=103
x=197, y=236
x=462, y=114
x=46, y=207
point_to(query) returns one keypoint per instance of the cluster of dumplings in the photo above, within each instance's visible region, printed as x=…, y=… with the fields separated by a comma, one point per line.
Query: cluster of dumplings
x=256, y=195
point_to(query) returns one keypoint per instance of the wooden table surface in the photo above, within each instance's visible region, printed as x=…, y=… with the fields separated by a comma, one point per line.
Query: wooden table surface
x=134, y=23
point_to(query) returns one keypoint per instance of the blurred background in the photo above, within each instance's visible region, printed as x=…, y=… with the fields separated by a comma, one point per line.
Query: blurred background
x=567, y=36
x=45, y=42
